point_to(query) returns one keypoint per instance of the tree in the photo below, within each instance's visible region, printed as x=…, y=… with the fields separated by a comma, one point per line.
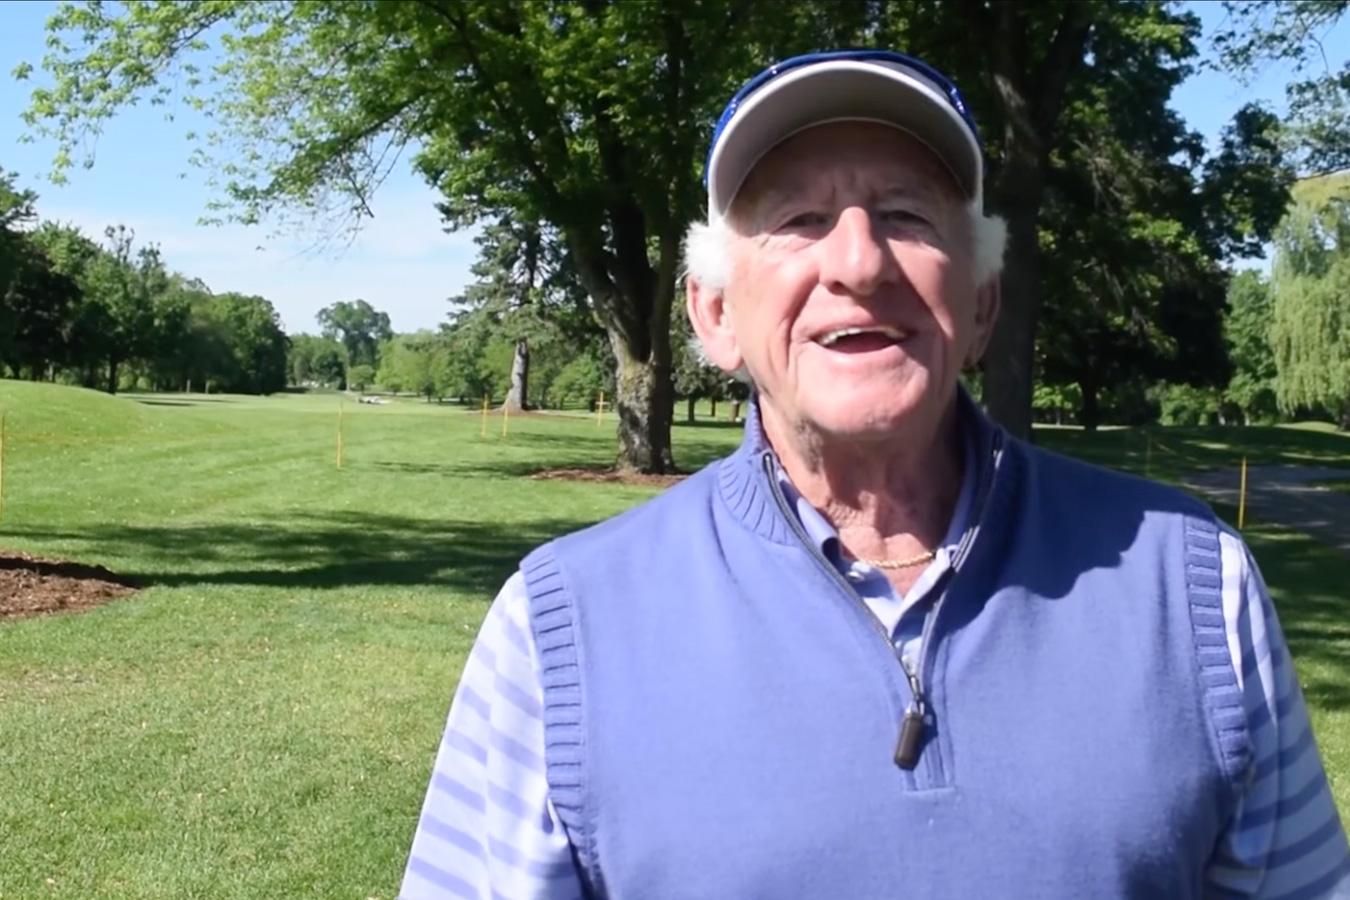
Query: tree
x=36, y=300
x=127, y=285
x=1246, y=332
x=508, y=271
x=1136, y=220
x=317, y=360
x=73, y=255
x=589, y=117
x=359, y=377
x=527, y=293
x=119, y=289
x=16, y=211
x=411, y=362
x=35, y=315
x=1264, y=31
x=1015, y=62
x=1310, y=327
x=359, y=327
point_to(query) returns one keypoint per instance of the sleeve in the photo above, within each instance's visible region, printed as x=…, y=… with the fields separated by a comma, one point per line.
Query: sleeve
x=1285, y=839
x=488, y=829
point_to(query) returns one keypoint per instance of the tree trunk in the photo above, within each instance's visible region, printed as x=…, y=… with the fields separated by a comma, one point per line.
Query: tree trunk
x=518, y=397
x=1089, y=414
x=645, y=401
x=112, y=375
x=1344, y=423
x=1031, y=98
x=735, y=410
x=713, y=412
x=689, y=408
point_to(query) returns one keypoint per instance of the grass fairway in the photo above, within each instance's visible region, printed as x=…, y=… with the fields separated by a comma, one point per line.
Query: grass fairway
x=259, y=722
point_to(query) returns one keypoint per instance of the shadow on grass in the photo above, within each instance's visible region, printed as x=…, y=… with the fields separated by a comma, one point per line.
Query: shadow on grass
x=162, y=400
x=1167, y=452
x=1312, y=604
x=330, y=550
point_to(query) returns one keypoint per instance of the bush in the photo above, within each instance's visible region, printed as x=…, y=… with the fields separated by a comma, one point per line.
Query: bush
x=1181, y=404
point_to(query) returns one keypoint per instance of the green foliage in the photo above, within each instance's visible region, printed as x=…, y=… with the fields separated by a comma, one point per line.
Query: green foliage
x=583, y=124
x=1264, y=31
x=1183, y=404
x=1056, y=403
x=251, y=328
x=358, y=326
x=590, y=118
x=526, y=292
x=1246, y=330
x=580, y=383
x=116, y=316
x=1310, y=330
x=360, y=376
x=316, y=361
x=37, y=301
x=415, y=362
x=1137, y=221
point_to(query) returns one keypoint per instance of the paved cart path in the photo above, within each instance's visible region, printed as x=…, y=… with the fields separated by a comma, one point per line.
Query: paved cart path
x=1285, y=495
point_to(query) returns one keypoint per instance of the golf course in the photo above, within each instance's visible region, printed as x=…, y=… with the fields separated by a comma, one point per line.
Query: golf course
x=258, y=715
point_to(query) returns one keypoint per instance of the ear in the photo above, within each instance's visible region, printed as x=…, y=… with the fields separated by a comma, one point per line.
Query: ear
x=710, y=316
x=988, y=299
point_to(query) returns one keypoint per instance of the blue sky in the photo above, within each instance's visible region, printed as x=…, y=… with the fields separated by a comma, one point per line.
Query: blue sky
x=402, y=262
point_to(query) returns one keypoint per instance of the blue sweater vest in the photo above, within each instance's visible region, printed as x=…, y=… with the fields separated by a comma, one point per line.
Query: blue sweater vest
x=722, y=711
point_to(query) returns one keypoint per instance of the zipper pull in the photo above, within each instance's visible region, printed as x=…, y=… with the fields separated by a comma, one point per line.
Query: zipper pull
x=911, y=739
x=911, y=726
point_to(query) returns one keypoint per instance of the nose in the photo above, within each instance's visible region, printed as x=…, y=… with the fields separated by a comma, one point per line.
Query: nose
x=854, y=258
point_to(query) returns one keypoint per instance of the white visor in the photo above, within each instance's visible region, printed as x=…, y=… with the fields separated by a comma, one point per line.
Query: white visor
x=836, y=91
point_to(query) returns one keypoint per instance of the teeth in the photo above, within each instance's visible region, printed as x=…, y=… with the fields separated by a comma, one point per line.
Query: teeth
x=829, y=338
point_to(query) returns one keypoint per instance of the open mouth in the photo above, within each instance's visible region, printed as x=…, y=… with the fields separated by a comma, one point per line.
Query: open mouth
x=862, y=340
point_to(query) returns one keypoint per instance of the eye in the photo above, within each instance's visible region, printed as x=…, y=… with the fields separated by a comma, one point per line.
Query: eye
x=898, y=216
x=806, y=220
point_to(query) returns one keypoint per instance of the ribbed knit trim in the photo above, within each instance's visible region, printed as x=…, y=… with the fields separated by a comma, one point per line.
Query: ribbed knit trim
x=1222, y=697
x=551, y=619
x=740, y=480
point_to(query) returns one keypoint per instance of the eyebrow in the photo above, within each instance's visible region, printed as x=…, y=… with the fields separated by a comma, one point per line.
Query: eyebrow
x=770, y=199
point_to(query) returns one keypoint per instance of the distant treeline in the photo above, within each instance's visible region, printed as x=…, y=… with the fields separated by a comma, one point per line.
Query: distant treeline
x=109, y=314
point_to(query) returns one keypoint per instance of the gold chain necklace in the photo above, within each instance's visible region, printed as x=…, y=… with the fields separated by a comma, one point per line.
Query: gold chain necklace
x=907, y=563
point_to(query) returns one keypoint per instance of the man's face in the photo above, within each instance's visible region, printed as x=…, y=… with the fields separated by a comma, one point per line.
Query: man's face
x=851, y=297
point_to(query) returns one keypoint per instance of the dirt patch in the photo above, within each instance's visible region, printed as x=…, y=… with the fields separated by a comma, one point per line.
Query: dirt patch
x=609, y=476
x=32, y=586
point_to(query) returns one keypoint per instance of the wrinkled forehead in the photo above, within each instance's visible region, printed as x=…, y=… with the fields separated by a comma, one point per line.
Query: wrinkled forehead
x=844, y=161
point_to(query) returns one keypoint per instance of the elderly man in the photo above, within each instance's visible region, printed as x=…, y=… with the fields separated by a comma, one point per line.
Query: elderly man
x=884, y=649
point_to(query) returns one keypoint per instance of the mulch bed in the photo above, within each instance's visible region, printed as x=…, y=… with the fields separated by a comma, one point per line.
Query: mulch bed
x=32, y=586
x=608, y=476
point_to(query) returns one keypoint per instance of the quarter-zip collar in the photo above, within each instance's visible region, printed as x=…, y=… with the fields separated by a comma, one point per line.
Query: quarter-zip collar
x=743, y=486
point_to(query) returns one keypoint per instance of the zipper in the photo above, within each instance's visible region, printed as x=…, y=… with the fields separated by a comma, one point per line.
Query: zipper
x=909, y=743
x=910, y=740
x=926, y=648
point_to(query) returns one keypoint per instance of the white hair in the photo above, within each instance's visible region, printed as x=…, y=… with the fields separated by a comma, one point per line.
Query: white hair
x=707, y=248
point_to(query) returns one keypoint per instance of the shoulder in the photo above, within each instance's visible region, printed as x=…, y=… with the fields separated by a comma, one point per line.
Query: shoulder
x=670, y=513
x=1063, y=481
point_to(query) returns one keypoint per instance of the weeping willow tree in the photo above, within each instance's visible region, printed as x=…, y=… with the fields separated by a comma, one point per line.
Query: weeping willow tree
x=1310, y=282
